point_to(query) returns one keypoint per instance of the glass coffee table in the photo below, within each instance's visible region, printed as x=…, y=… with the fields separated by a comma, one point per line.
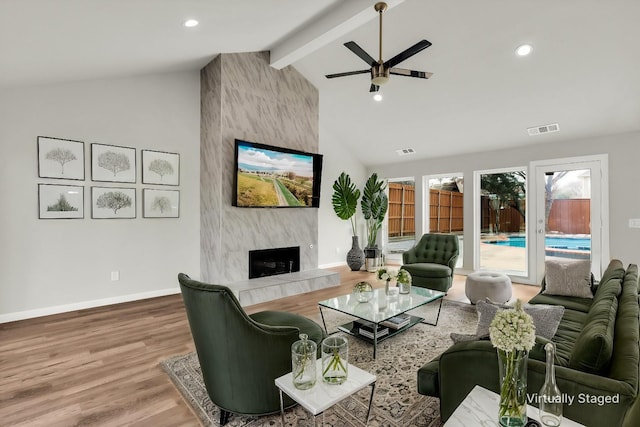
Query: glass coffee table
x=370, y=315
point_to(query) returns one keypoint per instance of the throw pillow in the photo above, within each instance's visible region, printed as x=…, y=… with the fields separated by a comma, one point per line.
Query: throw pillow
x=572, y=279
x=456, y=338
x=546, y=318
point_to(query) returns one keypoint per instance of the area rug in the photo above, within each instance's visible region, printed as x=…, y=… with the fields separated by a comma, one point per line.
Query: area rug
x=396, y=400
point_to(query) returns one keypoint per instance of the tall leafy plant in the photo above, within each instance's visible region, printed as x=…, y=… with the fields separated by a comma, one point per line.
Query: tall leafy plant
x=345, y=199
x=374, y=206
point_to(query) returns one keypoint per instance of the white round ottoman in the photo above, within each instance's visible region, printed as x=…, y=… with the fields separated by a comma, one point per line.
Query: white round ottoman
x=488, y=284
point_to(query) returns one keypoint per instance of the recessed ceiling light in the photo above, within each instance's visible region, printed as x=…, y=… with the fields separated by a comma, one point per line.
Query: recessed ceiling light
x=190, y=23
x=524, y=50
x=377, y=96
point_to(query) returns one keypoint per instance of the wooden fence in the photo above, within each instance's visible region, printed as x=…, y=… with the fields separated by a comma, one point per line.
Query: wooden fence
x=446, y=211
x=402, y=210
x=509, y=219
x=446, y=214
x=570, y=216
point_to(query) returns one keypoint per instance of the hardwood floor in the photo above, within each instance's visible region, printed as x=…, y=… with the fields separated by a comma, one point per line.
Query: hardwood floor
x=99, y=367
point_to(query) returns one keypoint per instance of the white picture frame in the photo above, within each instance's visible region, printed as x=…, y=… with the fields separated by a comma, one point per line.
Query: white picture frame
x=160, y=203
x=113, y=203
x=161, y=168
x=60, y=201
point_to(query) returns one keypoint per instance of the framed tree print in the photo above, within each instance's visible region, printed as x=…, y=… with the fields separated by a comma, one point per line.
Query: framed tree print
x=160, y=203
x=112, y=202
x=60, y=201
x=112, y=163
x=60, y=158
x=161, y=168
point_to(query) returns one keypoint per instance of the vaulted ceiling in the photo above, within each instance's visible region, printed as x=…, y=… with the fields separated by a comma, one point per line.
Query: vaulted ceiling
x=582, y=73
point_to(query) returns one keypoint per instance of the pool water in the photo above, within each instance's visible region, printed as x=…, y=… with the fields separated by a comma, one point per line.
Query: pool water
x=574, y=243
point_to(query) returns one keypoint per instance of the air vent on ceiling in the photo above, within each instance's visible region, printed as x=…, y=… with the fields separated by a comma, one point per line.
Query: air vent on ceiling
x=539, y=130
x=405, y=151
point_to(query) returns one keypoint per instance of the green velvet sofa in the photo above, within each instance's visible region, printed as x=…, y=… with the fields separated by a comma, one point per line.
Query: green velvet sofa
x=597, y=359
x=432, y=260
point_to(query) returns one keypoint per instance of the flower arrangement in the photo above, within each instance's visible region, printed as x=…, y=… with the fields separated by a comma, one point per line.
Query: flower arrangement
x=513, y=333
x=385, y=274
x=401, y=276
x=513, y=330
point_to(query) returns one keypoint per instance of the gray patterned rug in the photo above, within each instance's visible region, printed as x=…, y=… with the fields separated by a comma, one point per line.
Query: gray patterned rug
x=396, y=401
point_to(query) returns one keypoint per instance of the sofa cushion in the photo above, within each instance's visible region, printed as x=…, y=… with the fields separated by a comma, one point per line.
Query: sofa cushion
x=594, y=346
x=428, y=269
x=565, y=338
x=546, y=318
x=569, y=303
x=568, y=278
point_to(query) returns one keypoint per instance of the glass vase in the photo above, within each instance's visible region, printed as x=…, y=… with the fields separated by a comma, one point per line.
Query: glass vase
x=405, y=288
x=303, y=363
x=549, y=397
x=512, y=368
x=363, y=291
x=335, y=356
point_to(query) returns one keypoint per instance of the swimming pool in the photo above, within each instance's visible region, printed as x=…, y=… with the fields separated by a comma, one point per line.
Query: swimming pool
x=571, y=243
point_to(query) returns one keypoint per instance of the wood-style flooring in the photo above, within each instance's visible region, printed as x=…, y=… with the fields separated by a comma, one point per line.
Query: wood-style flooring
x=99, y=367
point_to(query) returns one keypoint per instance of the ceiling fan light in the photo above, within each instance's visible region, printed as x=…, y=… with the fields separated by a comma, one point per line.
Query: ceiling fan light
x=524, y=50
x=380, y=80
x=377, y=96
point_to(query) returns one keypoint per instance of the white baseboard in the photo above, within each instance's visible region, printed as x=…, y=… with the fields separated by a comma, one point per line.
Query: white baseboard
x=46, y=311
x=333, y=264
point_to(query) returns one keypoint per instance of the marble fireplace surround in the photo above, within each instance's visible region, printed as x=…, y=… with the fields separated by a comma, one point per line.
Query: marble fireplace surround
x=269, y=287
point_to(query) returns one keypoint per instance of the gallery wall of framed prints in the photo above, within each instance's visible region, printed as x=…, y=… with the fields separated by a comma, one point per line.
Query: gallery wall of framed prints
x=115, y=168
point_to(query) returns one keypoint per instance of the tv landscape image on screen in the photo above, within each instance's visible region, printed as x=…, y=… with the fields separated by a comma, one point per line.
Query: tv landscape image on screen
x=268, y=176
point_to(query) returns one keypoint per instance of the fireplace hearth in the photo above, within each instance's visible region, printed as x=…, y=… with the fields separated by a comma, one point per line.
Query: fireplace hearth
x=269, y=262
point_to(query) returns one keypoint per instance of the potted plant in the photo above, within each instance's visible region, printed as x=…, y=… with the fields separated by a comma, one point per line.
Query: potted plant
x=345, y=202
x=374, y=206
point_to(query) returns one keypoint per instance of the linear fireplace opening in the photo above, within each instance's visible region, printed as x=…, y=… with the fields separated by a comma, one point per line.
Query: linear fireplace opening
x=269, y=262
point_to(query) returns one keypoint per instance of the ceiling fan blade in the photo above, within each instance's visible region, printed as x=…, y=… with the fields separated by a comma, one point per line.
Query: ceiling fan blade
x=408, y=53
x=410, y=73
x=353, y=47
x=348, y=73
x=374, y=88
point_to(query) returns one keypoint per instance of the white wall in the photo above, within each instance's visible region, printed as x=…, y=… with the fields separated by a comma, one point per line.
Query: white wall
x=334, y=237
x=624, y=179
x=49, y=266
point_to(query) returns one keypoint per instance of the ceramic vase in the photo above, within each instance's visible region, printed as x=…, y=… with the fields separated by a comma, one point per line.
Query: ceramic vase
x=355, y=256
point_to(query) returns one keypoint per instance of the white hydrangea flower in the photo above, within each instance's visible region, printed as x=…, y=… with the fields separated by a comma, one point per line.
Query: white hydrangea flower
x=513, y=330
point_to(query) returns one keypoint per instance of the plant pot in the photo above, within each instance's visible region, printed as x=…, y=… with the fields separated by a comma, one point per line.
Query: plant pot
x=372, y=259
x=355, y=256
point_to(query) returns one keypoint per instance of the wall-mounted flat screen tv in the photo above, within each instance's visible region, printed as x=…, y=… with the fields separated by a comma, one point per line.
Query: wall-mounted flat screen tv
x=274, y=177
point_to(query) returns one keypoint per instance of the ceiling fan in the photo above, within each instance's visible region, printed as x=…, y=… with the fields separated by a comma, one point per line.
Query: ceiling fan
x=380, y=70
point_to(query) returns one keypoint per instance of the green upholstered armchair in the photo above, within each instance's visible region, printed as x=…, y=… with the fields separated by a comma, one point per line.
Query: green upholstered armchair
x=432, y=260
x=241, y=355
